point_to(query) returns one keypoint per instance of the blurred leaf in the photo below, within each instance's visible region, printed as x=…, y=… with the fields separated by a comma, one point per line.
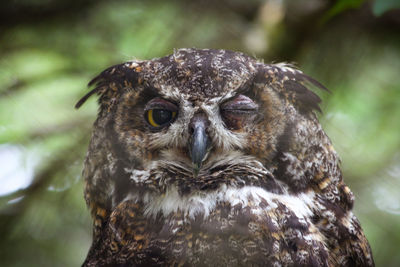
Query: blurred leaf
x=341, y=6
x=381, y=6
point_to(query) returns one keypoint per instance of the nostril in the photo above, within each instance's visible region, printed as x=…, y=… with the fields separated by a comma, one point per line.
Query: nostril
x=191, y=129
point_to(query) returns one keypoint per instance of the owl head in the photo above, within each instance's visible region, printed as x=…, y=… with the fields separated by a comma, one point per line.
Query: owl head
x=199, y=119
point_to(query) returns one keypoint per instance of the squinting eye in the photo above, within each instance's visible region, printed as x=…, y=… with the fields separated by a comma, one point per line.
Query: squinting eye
x=160, y=117
x=238, y=112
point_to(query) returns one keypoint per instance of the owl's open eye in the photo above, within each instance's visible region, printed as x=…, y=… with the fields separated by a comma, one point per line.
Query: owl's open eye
x=238, y=111
x=160, y=112
x=159, y=117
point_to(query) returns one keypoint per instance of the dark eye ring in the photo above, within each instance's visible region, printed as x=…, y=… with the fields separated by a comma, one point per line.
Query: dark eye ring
x=159, y=117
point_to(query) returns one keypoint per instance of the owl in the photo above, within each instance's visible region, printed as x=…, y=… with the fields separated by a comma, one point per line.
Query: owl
x=212, y=158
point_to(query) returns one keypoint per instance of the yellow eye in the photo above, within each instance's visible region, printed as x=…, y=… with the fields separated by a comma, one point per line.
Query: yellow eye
x=160, y=117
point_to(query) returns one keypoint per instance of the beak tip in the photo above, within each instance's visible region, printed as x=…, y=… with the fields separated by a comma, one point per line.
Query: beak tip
x=196, y=169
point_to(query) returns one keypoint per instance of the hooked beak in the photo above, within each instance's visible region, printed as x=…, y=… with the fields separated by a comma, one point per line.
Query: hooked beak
x=199, y=141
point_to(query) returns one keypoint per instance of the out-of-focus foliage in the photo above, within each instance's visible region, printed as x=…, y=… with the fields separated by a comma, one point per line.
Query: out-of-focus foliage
x=382, y=6
x=343, y=5
x=49, y=50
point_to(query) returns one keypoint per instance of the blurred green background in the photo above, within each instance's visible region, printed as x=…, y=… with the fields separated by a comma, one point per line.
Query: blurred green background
x=50, y=49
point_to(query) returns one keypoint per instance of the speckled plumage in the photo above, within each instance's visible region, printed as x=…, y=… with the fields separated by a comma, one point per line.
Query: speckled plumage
x=269, y=191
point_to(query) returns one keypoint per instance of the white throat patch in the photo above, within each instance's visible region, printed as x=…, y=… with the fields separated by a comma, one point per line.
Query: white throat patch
x=203, y=203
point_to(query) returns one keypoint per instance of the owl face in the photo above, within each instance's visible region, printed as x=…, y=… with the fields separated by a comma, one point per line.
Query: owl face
x=197, y=119
x=182, y=122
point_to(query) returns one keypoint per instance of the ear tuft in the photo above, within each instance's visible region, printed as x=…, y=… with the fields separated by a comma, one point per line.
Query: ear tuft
x=293, y=85
x=111, y=82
